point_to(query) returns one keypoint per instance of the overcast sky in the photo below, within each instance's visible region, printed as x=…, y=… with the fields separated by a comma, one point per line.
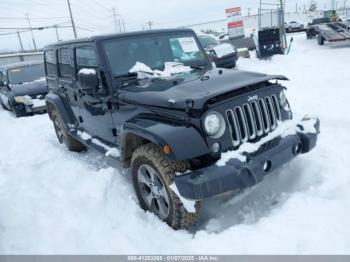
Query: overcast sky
x=95, y=16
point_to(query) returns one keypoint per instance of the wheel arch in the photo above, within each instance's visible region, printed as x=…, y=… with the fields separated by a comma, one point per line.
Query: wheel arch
x=185, y=142
x=55, y=103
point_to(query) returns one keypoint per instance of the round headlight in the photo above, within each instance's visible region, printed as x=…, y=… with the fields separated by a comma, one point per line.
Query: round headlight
x=284, y=101
x=214, y=124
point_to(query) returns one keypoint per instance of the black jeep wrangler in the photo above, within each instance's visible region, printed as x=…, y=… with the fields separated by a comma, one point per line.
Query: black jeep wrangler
x=153, y=101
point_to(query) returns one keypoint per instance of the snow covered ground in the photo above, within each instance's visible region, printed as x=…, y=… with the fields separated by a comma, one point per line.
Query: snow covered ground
x=53, y=201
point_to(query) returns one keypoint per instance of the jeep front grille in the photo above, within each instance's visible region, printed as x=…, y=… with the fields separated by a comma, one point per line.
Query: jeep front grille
x=253, y=120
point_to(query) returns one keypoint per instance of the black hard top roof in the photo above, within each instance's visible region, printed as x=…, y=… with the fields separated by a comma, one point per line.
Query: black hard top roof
x=109, y=36
x=20, y=64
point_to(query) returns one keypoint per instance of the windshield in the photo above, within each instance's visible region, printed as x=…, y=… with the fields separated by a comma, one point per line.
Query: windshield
x=26, y=74
x=208, y=41
x=321, y=21
x=154, y=51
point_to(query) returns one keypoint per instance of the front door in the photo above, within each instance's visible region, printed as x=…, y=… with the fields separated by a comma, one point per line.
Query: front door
x=95, y=115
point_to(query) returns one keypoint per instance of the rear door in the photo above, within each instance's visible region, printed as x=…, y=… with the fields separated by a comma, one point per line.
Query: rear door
x=96, y=118
x=52, y=71
x=67, y=79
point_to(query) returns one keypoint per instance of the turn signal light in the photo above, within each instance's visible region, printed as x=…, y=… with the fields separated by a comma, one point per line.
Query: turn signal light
x=166, y=149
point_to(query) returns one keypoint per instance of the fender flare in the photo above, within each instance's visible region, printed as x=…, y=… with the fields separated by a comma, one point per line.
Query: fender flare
x=185, y=142
x=54, y=102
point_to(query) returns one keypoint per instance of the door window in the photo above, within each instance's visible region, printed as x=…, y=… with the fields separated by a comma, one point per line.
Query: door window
x=85, y=58
x=66, y=63
x=51, y=63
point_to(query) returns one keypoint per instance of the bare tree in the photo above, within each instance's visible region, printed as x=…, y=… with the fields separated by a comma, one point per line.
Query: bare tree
x=313, y=6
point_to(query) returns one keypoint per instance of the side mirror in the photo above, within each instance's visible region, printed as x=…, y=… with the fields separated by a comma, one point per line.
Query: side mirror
x=88, y=81
x=211, y=56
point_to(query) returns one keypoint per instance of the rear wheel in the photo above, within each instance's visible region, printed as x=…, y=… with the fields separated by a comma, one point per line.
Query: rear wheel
x=152, y=176
x=320, y=40
x=2, y=105
x=63, y=136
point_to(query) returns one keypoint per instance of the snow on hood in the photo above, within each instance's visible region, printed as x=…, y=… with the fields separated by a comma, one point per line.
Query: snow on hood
x=170, y=69
x=36, y=87
x=200, y=86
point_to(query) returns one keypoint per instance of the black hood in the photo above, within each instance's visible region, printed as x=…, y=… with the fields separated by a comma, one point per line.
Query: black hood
x=38, y=87
x=199, y=87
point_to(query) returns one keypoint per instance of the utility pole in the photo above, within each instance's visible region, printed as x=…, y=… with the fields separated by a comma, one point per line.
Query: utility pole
x=72, y=20
x=114, y=19
x=56, y=29
x=283, y=28
x=117, y=21
x=31, y=31
x=124, y=25
x=20, y=41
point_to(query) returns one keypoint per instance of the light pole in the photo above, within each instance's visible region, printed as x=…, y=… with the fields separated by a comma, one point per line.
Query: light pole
x=31, y=31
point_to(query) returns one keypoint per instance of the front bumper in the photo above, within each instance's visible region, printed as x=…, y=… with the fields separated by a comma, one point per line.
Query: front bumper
x=21, y=109
x=236, y=175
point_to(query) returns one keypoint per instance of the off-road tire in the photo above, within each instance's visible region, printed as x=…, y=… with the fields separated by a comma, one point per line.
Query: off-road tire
x=2, y=105
x=320, y=40
x=71, y=143
x=150, y=154
x=16, y=113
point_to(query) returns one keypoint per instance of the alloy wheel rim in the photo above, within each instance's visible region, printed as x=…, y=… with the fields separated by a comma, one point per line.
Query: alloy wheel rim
x=153, y=191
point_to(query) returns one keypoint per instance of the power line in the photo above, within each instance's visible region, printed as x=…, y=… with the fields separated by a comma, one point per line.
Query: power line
x=33, y=18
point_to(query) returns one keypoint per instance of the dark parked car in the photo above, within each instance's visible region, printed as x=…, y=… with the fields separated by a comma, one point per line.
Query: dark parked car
x=23, y=88
x=346, y=22
x=153, y=101
x=223, y=54
x=312, y=29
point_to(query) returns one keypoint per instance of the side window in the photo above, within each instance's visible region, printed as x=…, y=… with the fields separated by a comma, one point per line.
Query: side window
x=85, y=58
x=2, y=77
x=51, y=63
x=65, y=57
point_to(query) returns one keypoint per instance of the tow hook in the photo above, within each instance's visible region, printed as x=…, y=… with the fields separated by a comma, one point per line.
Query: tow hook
x=189, y=106
x=297, y=148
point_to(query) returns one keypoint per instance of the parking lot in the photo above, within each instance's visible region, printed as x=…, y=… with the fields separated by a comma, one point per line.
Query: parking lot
x=57, y=202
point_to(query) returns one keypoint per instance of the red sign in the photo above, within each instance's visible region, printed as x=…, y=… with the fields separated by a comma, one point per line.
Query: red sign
x=235, y=24
x=233, y=10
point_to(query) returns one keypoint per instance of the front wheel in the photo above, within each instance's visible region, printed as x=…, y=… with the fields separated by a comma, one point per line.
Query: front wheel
x=152, y=176
x=320, y=40
x=64, y=137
